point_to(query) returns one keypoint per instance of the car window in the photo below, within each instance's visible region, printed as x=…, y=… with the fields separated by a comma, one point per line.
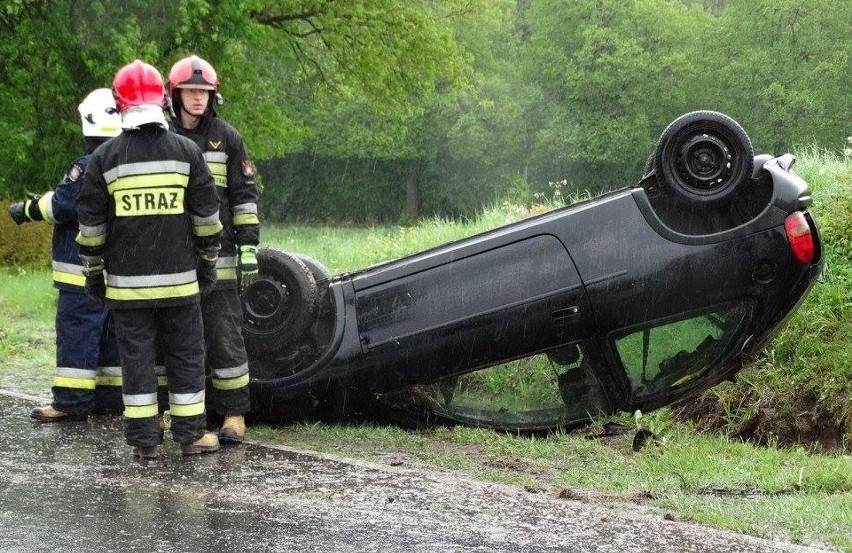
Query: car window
x=660, y=358
x=540, y=391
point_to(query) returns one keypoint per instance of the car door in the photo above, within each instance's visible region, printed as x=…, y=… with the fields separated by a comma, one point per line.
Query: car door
x=471, y=304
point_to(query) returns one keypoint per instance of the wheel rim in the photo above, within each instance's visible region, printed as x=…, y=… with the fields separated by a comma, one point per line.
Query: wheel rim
x=704, y=164
x=267, y=303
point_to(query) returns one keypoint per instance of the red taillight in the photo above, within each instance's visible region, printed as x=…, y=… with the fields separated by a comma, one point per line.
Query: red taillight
x=800, y=237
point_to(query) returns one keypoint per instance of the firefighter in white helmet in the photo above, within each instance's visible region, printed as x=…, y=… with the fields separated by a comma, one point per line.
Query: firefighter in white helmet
x=88, y=372
x=193, y=88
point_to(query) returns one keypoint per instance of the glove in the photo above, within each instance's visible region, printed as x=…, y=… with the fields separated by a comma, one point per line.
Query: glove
x=96, y=287
x=206, y=276
x=247, y=265
x=93, y=270
x=16, y=212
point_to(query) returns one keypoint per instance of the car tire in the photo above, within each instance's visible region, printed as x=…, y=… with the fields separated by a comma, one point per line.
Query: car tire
x=280, y=305
x=318, y=270
x=703, y=157
x=649, y=164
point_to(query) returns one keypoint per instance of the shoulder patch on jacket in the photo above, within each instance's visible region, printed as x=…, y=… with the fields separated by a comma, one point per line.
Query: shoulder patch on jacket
x=75, y=172
x=248, y=168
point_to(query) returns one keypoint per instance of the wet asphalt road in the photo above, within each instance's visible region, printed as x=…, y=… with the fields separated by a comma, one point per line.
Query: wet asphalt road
x=76, y=488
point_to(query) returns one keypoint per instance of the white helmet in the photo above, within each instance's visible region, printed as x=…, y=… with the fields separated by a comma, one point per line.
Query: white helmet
x=99, y=114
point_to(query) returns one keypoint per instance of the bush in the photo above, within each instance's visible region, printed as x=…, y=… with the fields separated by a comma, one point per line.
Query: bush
x=26, y=246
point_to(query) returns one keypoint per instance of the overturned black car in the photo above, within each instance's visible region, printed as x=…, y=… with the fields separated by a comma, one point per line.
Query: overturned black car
x=632, y=300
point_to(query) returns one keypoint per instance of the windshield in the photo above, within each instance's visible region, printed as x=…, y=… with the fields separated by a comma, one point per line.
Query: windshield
x=541, y=391
x=660, y=358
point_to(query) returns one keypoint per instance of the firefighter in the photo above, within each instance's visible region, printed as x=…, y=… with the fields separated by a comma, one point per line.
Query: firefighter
x=149, y=239
x=193, y=87
x=88, y=372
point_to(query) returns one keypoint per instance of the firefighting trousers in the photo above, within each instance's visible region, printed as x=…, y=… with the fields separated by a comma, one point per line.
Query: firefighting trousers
x=227, y=363
x=178, y=332
x=88, y=371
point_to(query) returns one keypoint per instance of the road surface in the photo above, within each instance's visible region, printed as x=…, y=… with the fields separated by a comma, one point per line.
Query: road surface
x=75, y=487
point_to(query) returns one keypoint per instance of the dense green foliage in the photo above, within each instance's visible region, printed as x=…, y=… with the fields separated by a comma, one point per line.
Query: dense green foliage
x=382, y=110
x=277, y=62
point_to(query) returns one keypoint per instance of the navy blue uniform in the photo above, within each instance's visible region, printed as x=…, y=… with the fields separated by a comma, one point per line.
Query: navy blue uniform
x=88, y=371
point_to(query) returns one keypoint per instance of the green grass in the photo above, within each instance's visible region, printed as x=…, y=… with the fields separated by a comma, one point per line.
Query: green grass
x=27, y=337
x=354, y=248
x=779, y=490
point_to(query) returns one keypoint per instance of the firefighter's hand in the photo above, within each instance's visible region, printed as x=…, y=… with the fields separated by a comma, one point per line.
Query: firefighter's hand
x=16, y=212
x=206, y=276
x=247, y=266
x=96, y=287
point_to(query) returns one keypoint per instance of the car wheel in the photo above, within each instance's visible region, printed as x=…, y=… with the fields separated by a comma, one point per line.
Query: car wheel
x=703, y=157
x=280, y=304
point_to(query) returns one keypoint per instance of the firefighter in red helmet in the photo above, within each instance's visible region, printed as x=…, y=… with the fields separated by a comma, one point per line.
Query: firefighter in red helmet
x=149, y=239
x=193, y=89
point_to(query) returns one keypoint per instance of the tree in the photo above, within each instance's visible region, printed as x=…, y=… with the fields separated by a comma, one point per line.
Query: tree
x=456, y=101
x=611, y=72
x=786, y=74
x=410, y=124
x=55, y=53
x=275, y=59
x=614, y=73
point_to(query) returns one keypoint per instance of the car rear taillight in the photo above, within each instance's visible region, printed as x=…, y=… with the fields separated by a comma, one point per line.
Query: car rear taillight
x=800, y=237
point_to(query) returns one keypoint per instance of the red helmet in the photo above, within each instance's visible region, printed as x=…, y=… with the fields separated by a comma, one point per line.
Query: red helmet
x=138, y=84
x=192, y=72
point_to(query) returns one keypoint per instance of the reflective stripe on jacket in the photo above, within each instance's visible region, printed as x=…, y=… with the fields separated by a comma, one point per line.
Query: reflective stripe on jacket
x=147, y=203
x=58, y=208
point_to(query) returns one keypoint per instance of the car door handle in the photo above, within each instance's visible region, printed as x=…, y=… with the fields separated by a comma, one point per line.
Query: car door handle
x=563, y=315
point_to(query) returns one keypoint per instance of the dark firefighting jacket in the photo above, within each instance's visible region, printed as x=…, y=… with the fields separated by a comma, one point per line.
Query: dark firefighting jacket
x=233, y=172
x=58, y=208
x=148, y=204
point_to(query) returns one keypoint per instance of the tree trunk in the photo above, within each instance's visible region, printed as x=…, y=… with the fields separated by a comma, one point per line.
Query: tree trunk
x=412, y=199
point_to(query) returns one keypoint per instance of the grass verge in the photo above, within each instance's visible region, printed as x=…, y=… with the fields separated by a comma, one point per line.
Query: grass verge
x=773, y=492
